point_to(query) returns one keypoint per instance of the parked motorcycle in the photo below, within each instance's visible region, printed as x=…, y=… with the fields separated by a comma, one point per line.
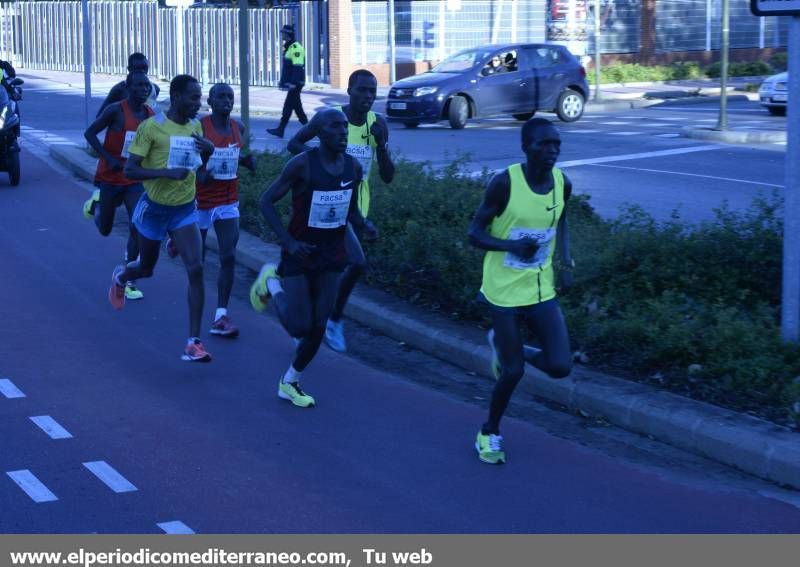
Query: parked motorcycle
x=10, y=94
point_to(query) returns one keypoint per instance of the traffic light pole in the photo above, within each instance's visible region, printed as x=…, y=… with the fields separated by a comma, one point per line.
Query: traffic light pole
x=790, y=308
x=722, y=123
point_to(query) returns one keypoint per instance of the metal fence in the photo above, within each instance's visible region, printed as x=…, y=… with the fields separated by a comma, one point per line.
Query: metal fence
x=202, y=41
x=695, y=25
x=434, y=29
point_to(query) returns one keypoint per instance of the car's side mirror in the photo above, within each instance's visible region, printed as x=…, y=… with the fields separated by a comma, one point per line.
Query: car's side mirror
x=485, y=72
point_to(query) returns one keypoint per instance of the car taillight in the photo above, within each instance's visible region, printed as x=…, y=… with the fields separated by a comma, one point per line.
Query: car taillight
x=583, y=71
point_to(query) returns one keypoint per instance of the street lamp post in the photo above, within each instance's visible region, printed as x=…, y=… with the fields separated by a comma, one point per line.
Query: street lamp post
x=244, y=65
x=722, y=123
x=597, y=95
x=87, y=62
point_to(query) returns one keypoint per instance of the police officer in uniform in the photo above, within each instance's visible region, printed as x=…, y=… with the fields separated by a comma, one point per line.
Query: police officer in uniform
x=293, y=77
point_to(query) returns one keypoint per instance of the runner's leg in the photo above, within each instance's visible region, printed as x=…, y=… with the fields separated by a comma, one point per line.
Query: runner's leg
x=132, y=250
x=323, y=294
x=190, y=246
x=546, y=321
x=356, y=264
x=105, y=210
x=228, y=236
x=508, y=338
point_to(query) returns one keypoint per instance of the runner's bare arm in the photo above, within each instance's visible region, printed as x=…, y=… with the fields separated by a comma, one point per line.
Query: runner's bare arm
x=566, y=262
x=298, y=143
x=204, y=146
x=494, y=202
x=134, y=170
x=380, y=130
x=354, y=215
x=295, y=174
x=110, y=118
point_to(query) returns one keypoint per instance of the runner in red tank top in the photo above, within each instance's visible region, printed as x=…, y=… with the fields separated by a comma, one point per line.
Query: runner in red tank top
x=218, y=195
x=120, y=121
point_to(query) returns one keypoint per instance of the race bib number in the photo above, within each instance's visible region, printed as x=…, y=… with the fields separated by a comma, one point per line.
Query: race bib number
x=363, y=154
x=545, y=239
x=224, y=163
x=182, y=153
x=329, y=208
x=129, y=136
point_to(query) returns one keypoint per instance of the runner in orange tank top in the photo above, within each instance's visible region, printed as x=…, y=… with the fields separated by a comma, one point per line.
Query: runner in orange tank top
x=120, y=121
x=218, y=195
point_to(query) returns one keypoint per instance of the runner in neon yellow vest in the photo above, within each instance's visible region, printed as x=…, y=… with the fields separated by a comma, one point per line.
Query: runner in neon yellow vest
x=367, y=141
x=522, y=225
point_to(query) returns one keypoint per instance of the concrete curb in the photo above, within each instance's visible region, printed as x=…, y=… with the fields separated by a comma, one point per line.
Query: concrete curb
x=749, y=444
x=735, y=136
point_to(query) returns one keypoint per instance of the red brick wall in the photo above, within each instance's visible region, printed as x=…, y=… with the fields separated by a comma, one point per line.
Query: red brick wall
x=340, y=34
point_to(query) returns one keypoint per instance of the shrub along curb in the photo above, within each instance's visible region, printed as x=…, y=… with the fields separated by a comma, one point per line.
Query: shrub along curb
x=749, y=444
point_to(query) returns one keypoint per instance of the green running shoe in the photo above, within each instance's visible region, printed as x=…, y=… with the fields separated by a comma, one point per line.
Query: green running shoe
x=90, y=204
x=259, y=293
x=490, y=448
x=132, y=292
x=291, y=391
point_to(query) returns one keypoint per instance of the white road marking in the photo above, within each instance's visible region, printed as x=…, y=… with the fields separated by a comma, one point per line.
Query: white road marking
x=32, y=486
x=9, y=390
x=707, y=119
x=624, y=133
x=586, y=131
x=670, y=135
x=643, y=155
x=109, y=476
x=51, y=427
x=175, y=527
x=690, y=175
x=615, y=123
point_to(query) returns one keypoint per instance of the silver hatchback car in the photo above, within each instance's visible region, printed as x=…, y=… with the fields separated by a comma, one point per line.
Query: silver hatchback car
x=773, y=93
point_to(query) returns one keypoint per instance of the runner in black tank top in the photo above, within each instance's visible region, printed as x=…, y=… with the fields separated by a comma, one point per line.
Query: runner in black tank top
x=323, y=183
x=319, y=217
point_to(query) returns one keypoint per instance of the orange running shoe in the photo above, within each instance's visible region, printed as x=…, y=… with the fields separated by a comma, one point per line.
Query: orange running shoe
x=195, y=352
x=116, y=292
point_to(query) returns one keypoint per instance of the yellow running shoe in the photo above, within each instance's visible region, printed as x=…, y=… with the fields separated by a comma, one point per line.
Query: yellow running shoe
x=291, y=391
x=490, y=448
x=90, y=204
x=259, y=293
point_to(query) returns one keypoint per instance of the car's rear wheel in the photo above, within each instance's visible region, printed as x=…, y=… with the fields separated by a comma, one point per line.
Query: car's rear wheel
x=524, y=116
x=570, y=106
x=410, y=124
x=458, y=112
x=777, y=110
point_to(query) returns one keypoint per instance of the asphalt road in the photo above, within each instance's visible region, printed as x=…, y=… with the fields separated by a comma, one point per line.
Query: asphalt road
x=212, y=447
x=631, y=157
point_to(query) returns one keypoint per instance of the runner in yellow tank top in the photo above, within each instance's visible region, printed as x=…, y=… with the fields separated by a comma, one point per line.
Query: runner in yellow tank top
x=522, y=225
x=368, y=136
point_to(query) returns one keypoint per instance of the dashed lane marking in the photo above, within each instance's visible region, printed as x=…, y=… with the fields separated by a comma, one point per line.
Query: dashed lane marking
x=642, y=155
x=175, y=527
x=51, y=427
x=32, y=486
x=624, y=133
x=110, y=477
x=9, y=390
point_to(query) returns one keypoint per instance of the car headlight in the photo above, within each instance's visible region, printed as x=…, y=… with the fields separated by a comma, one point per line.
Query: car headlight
x=422, y=91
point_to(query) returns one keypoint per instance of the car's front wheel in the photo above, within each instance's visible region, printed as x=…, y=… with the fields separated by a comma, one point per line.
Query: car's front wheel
x=570, y=105
x=458, y=112
x=777, y=110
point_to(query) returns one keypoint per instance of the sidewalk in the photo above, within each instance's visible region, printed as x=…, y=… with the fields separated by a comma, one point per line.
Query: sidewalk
x=752, y=445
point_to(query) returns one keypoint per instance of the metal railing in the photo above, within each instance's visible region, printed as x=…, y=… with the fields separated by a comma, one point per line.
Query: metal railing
x=47, y=35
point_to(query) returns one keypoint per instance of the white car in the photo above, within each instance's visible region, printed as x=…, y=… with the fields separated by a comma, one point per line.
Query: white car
x=773, y=93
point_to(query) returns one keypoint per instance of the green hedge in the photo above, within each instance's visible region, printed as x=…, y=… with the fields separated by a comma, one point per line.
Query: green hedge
x=633, y=72
x=651, y=300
